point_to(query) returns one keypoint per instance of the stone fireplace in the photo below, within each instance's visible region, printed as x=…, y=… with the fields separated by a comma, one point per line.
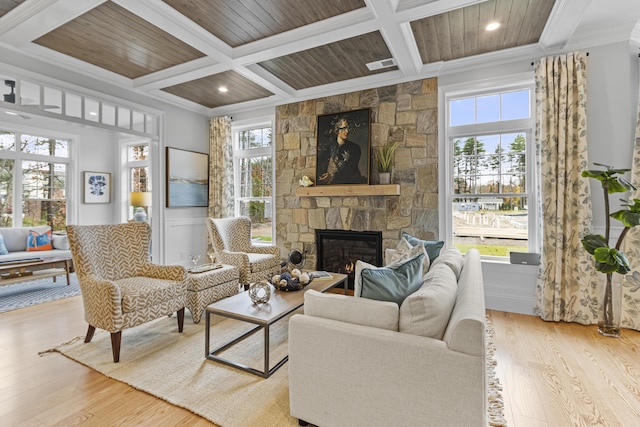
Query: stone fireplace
x=338, y=250
x=406, y=113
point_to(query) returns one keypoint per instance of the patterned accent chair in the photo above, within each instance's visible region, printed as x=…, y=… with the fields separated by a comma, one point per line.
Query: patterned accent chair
x=231, y=241
x=120, y=286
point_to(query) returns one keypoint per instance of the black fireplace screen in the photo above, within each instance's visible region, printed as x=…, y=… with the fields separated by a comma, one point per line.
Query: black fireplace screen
x=338, y=250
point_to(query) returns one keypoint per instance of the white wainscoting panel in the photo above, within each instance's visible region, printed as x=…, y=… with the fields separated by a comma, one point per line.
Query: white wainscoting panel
x=509, y=287
x=184, y=237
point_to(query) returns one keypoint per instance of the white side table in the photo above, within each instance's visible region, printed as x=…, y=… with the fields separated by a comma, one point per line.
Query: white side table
x=206, y=287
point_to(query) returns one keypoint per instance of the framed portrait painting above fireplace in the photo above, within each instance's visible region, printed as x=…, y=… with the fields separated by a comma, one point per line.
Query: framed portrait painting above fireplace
x=343, y=148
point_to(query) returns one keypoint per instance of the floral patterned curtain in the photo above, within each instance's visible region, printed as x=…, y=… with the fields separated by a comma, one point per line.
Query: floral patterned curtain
x=567, y=279
x=631, y=248
x=220, y=168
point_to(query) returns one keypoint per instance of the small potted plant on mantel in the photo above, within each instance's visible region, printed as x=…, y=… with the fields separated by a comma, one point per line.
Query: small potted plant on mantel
x=384, y=160
x=610, y=260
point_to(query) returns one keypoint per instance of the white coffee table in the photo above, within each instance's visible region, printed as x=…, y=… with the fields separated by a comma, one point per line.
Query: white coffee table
x=240, y=307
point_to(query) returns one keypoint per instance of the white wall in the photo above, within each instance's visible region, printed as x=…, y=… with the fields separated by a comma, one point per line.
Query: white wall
x=183, y=229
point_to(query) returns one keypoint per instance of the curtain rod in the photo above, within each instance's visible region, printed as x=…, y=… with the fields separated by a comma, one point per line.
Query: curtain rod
x=587, y=55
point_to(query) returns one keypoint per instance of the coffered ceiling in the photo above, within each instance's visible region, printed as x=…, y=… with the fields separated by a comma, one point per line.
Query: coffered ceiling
x=221, y=56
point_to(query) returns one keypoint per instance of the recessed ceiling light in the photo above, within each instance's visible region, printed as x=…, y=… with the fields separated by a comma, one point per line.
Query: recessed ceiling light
x=223, y=89
x=93, y=113
x=492, y=26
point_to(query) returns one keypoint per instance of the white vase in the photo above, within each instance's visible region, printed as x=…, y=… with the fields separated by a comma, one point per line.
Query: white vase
x=384, y=178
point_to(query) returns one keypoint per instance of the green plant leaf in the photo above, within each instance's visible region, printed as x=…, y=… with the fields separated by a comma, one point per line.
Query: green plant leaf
x=627, y=218
x=609, y=179
x=593, y=241
x=384, y=156
x=610, y=260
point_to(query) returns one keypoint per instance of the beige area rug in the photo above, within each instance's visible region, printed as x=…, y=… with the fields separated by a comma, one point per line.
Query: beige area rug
x=157, y=359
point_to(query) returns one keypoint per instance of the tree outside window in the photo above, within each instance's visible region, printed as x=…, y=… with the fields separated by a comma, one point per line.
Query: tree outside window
x=253, y=180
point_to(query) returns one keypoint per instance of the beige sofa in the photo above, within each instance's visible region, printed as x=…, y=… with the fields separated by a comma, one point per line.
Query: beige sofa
x=350, y=366
x=15, y=240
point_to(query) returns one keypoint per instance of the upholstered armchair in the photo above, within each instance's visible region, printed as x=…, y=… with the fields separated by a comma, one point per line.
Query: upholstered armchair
x=231, y=242
x=120, y=286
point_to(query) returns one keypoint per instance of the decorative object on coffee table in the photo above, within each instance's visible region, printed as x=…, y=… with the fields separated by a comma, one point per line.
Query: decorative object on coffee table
x=260, y=292
x=294, y=281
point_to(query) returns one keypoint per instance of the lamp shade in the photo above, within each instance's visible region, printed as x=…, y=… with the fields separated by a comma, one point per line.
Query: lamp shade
x=140, y=198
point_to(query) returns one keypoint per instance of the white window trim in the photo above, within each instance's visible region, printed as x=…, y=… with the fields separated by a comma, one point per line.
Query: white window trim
x=126, y=165
x=239, y=126
x=445, y=197
x=73, y=186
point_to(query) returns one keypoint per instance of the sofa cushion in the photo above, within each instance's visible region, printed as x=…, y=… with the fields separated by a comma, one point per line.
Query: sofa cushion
x=432, y=246
x=452, y=258
x=15, y=238
x=60, y=241
x=39, y=241
x=404, y=251
x=426, y=312
x=359, y=311
x=3, y=247
x=393, y=282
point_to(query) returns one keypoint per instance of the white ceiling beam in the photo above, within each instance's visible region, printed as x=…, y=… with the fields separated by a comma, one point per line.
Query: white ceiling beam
x=319, y=33
x=192, y=70
x=562, y=23
x=33, y=19
x=171, y=21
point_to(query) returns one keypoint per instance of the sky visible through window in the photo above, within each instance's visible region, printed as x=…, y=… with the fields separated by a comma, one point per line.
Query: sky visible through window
x=490, y=108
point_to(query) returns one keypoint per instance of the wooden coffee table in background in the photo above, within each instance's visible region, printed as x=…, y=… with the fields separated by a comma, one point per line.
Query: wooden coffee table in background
x=31, y=269
x=240, y=307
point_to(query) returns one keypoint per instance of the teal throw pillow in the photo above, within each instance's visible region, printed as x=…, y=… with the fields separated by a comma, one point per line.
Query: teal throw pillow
x=394, y=282
x=3, y=247
x=432, y=246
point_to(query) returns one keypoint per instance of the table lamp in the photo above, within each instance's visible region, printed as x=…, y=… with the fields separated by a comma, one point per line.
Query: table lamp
x=140, y=200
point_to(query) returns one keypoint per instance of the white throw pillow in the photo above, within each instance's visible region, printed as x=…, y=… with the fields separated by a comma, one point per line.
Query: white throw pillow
x=404, y=251
x=426, y=312
x=359, y=311
x=60, y=241
x=357, y=280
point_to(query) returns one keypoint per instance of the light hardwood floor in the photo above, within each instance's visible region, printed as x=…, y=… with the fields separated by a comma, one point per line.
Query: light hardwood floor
x=553, y=374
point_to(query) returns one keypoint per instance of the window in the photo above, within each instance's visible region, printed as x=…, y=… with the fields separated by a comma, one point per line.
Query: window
x=137, y=171
x=253, y=179
x=33, y=180
x=489, y=170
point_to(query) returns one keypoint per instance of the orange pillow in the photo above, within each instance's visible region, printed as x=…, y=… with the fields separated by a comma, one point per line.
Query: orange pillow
x=39, y=242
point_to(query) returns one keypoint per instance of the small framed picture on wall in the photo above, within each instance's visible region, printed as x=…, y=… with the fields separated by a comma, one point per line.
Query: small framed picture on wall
x=97, y=187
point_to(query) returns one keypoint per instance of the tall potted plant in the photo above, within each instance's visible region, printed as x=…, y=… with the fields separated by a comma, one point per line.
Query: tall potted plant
x=384, y=161
x=610, y=260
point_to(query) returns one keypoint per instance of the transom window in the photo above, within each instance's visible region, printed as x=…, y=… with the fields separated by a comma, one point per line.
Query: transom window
x=490, y=170
x=253, y=180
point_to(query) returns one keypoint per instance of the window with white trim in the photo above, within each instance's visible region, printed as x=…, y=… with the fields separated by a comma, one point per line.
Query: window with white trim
x=138, y=172
x=489, y=169
x=253, y=178
x=33, y=179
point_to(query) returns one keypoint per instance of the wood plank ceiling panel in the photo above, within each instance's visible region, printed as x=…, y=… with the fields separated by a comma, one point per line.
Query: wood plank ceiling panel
x=237, y=22
x=205, y=91
x=334, y=62
x=460, y=33
x=111, y=37
x=7, y=5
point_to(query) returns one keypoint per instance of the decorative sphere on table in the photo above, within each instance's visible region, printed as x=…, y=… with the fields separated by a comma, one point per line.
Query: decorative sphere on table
x=260, y=292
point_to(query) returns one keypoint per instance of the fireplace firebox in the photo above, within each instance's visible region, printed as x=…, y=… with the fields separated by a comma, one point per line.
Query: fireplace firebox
x=338, y=250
